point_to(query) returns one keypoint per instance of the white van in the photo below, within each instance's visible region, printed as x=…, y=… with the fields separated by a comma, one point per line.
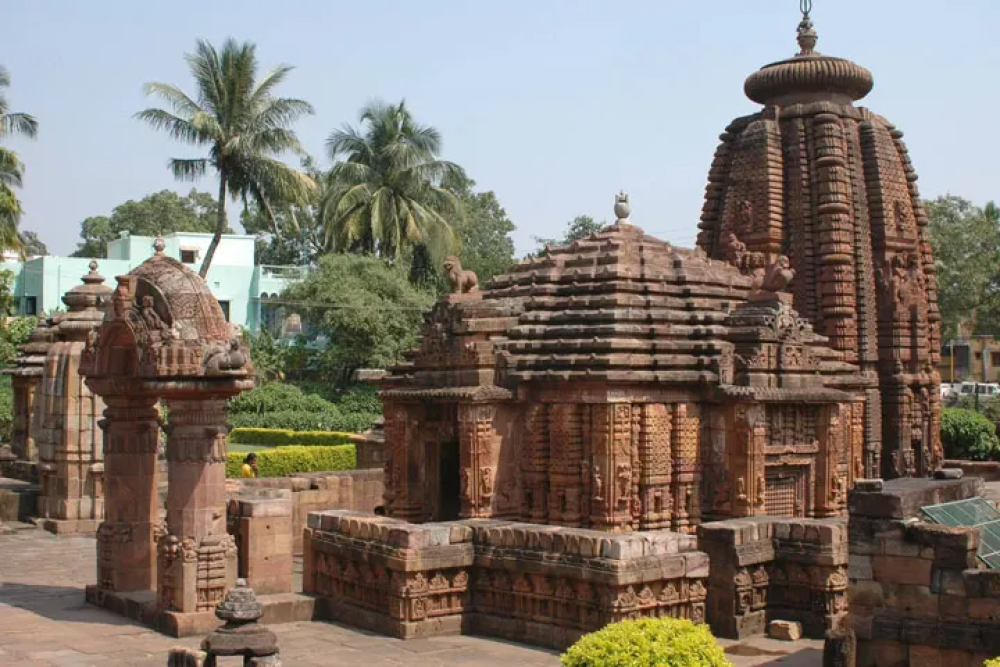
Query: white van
x=987, y=389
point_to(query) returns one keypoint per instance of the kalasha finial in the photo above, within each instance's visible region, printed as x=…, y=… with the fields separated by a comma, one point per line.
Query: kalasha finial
x=807, y=32
x=622, y=206
x=159, y=245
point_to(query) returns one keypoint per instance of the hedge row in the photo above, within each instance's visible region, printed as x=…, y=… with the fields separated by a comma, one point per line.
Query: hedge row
x=287, y=460
x=279, y=437
x=646, y=642
x=302, y=420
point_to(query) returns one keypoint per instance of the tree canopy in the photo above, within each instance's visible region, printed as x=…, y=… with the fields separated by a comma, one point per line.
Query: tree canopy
x=11, y=168
x=484, y=242
x=242, y=123
x=33, y=244
x=384, y=191
x=368, y=309
x=579, y=227
x=162, y=212
x=966, y=243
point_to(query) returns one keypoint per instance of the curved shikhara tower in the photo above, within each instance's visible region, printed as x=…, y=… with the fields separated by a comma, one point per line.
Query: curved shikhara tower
x=830, y=185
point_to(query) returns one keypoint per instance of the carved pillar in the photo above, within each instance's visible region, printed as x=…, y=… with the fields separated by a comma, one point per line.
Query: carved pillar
x=22, y=437
x=686, y=468
x=832, y=473
x=535, y=464
x=126, y=539
x=197, y=557
x=654, y=451
x=566, y=457
x=614, y=480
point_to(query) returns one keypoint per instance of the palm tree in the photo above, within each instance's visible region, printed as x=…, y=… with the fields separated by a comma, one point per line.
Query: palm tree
x=11, y=167
x=244, y=126
x=386, y=192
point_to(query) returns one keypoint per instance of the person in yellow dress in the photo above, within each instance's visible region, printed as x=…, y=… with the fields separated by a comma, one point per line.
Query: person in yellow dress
x=249, y=468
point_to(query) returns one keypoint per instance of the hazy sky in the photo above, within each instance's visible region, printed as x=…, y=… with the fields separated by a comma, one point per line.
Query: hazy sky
x=553, y=104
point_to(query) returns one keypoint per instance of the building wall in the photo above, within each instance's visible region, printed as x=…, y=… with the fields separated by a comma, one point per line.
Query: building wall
x=975, y=359
x=235, y=281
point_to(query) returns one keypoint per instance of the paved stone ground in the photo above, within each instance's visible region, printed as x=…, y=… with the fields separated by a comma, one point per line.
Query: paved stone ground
x=44, y=621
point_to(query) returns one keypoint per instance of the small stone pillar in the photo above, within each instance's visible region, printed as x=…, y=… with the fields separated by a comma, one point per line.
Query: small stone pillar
x=241, y=635
x=197, y=558
x=126, y=540
x=25, y=380
x=261, y=523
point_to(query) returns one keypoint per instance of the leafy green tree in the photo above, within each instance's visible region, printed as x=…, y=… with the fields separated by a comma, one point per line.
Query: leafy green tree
x=33, y=244
x=162, y=212
x=966, y=243
x=11, y=167
x=579, y=227
x=384, y=191
x=242, y=123
x=367, y=309
x=484, y=238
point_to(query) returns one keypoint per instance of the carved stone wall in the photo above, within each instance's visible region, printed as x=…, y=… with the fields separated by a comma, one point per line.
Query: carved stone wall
x=766, y=568
x=524, y=582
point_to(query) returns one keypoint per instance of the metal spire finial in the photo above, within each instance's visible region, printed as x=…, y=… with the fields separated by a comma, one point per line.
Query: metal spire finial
x=807, y=32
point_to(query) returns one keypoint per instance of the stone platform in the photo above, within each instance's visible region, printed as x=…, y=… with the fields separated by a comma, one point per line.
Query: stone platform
x=45, y=622
x=18, y=499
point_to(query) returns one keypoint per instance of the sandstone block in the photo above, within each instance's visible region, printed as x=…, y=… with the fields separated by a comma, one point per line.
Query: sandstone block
x=784, y=630
x=901, y=570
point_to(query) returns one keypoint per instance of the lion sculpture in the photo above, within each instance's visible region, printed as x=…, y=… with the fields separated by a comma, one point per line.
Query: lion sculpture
x=460, y=280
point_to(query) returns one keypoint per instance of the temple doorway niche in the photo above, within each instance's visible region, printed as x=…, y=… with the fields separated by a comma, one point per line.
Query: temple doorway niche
x=449, y=485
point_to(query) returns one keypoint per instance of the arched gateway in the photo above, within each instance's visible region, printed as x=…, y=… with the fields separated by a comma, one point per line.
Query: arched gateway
x=165, y=339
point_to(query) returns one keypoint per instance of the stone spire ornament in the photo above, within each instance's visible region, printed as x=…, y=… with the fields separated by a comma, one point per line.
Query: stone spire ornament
x=807, y=32
x=159, y=245
x=241, y=635
x=622, y=208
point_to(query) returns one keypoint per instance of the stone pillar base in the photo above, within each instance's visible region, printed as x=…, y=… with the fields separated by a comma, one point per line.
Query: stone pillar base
x=71, y=526
x=141, y=606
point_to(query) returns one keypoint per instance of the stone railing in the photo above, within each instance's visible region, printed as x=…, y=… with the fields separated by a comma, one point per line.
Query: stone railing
x=917, y=594
x=538, y=584
x=772, y=568
x=359, y=490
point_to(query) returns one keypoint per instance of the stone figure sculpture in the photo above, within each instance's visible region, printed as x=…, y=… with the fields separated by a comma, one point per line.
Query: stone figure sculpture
x=461, y=280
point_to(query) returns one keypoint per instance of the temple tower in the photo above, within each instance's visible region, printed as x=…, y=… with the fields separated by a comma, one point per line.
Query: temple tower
x=830, y=185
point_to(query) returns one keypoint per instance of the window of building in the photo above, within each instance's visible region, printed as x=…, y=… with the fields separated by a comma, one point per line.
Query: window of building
x=979, y=356
x=30, y=305
x=995, y=358
x=225, y=309
x=189, y=256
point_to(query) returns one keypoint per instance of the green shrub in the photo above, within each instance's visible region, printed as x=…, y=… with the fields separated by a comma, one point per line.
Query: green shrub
x=6, y=408
x=287, y=460
x=995, y=662
x=301, y=420
x=278, y=397
x=966, y=434
x=646, y=642
x=279, y=437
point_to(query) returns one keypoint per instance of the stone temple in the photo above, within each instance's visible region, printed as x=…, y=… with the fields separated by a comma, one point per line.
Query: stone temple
x=620, y=428
x=830, y=185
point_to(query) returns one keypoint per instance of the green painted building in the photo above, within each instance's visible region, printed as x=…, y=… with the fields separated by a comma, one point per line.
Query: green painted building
x=246, y=291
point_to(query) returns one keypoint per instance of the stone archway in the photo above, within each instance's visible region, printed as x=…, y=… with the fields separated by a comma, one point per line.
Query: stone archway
x=165, y=340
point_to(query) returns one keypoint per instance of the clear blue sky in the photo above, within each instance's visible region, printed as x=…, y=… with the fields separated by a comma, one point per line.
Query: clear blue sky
x=553, y=104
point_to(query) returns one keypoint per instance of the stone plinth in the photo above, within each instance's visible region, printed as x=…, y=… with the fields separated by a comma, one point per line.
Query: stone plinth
x=768, y=568
x=261, y=522
x=538, y=584
x=358, y=490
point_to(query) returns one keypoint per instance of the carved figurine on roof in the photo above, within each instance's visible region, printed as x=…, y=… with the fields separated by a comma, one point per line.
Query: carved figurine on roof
x=621, y=383
x=831, y=186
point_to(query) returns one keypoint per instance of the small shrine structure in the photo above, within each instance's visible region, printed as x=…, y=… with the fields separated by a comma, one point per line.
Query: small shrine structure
x=165, y=339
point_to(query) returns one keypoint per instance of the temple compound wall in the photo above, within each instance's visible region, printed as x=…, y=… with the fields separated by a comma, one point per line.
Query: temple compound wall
x=918, y=593
x=546, y=585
